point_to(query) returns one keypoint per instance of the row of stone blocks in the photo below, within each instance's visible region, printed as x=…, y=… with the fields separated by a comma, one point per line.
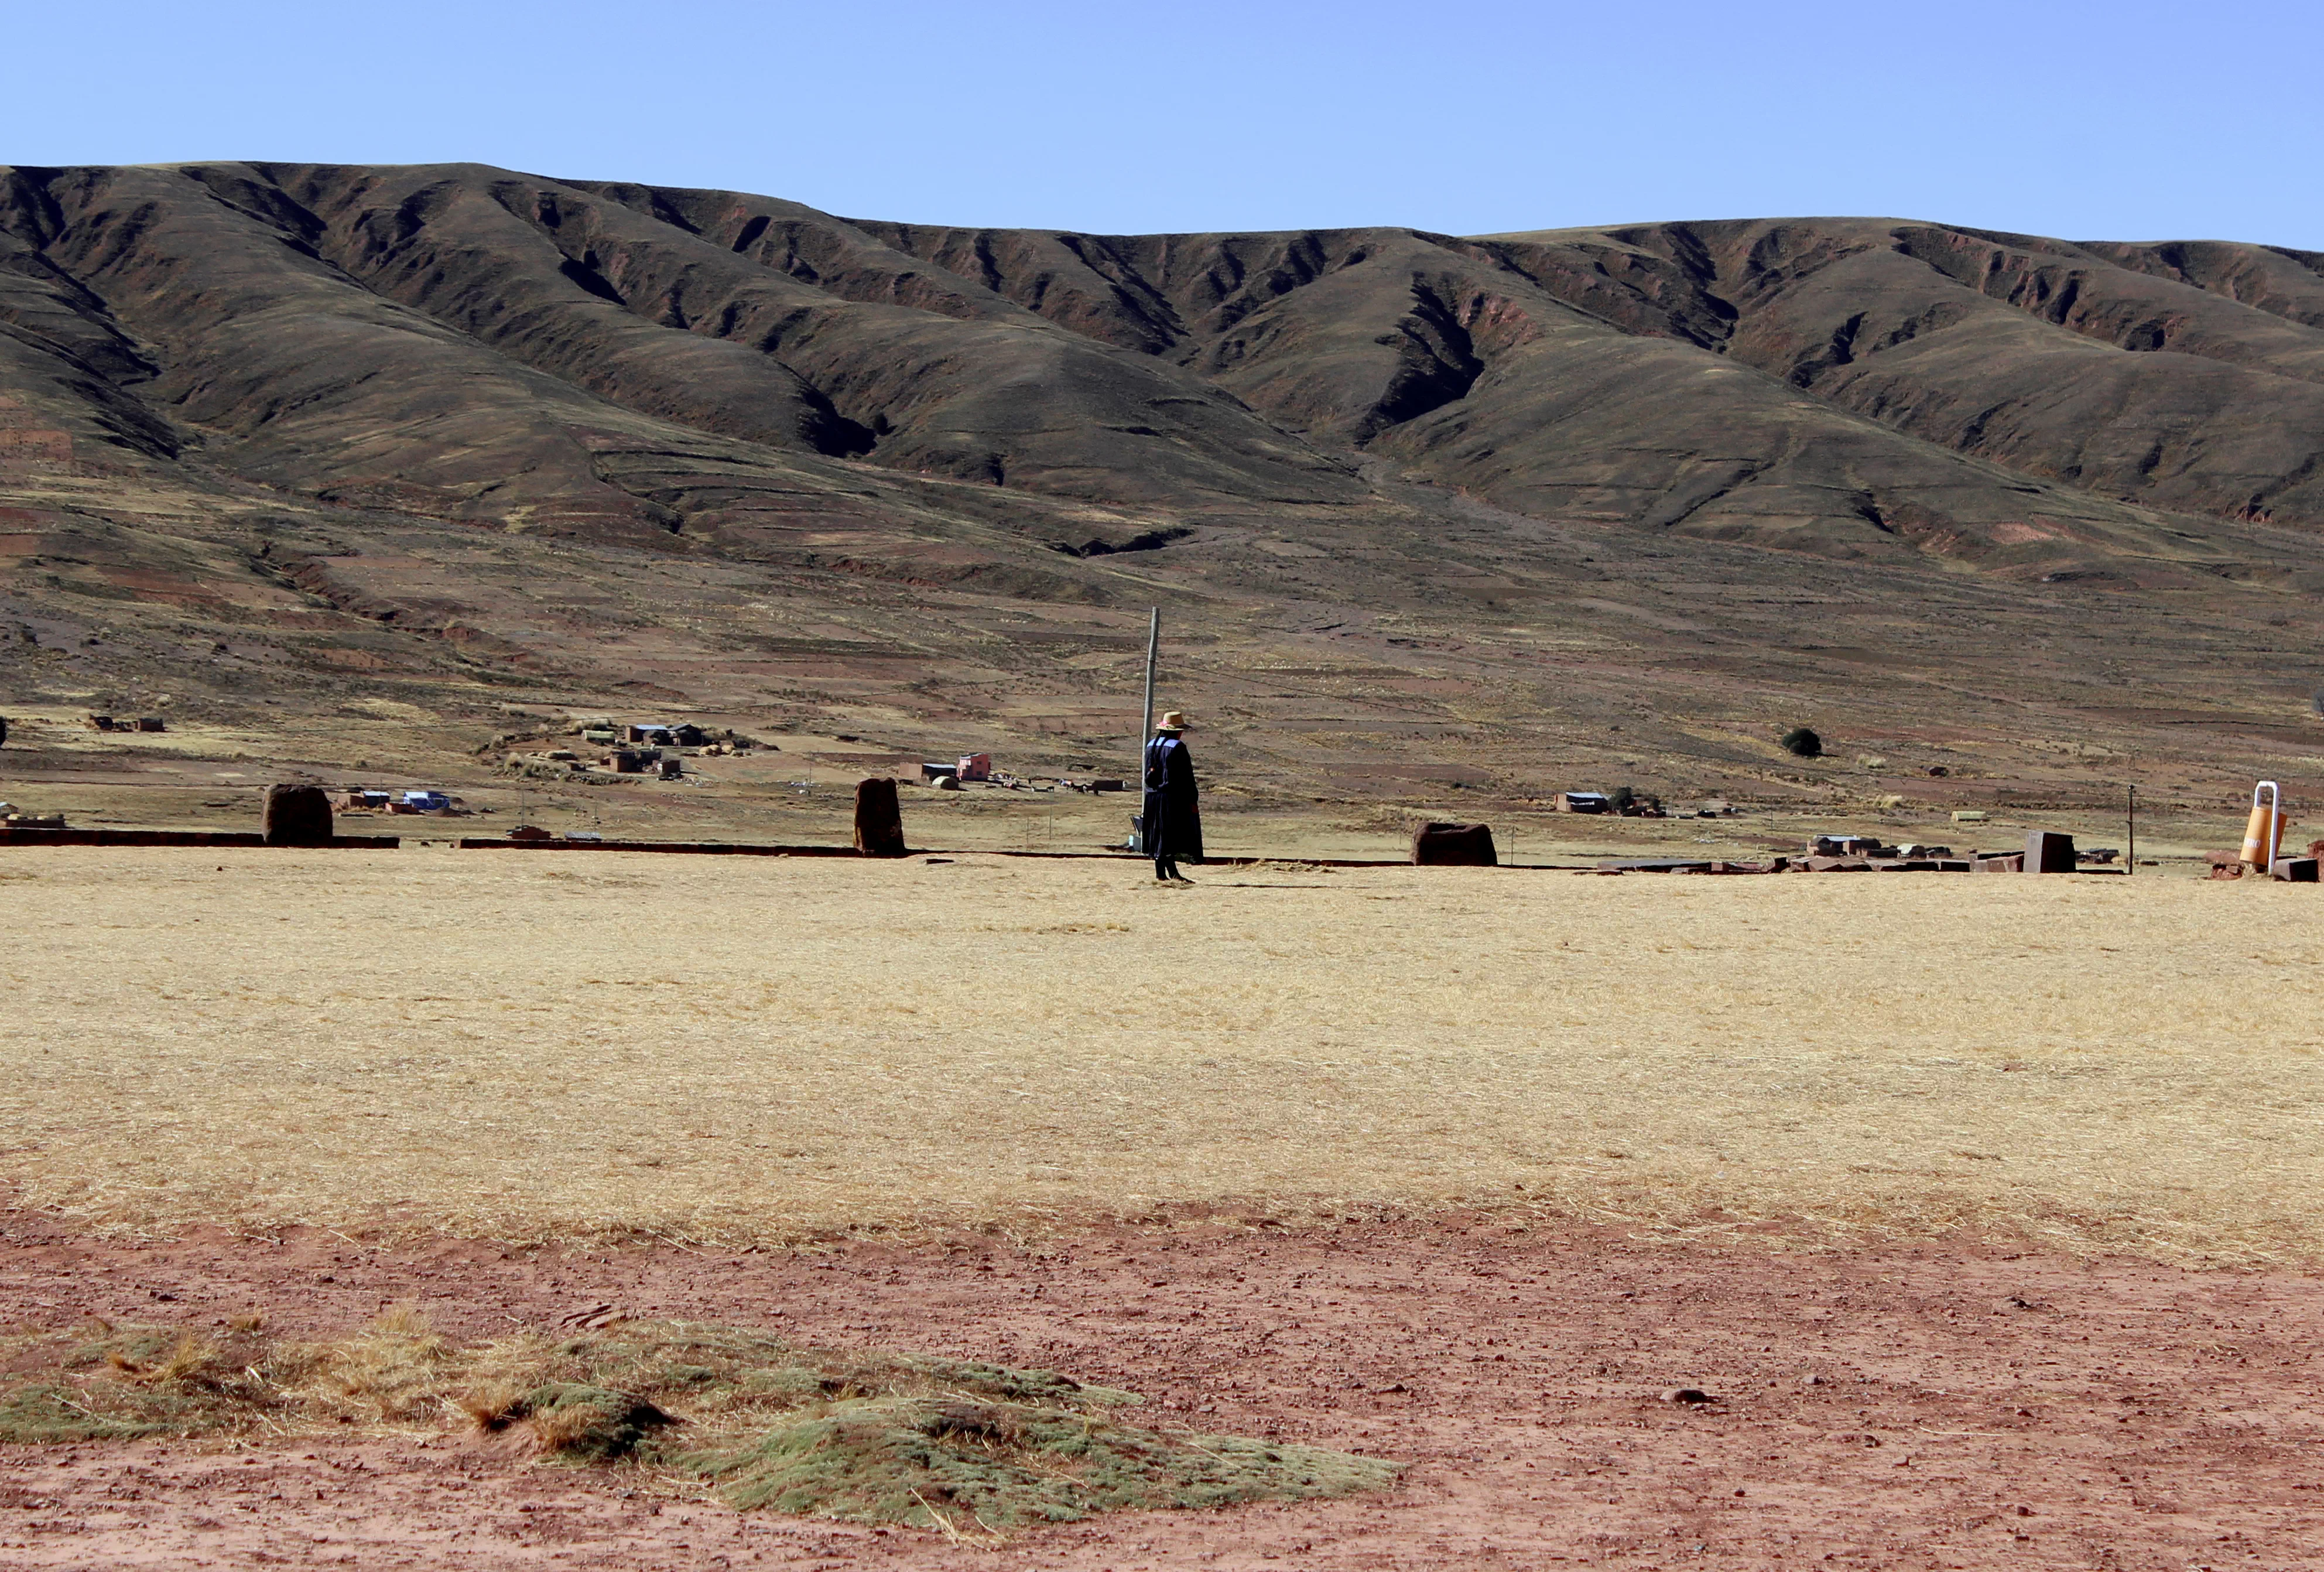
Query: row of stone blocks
x=300, y=816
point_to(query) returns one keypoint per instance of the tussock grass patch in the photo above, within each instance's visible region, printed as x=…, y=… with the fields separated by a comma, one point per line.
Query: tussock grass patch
x=902, y=1459
x=870, y=1436
x=102, y=1383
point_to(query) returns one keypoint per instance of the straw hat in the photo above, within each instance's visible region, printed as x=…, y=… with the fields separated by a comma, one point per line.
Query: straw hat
x=1172, y=720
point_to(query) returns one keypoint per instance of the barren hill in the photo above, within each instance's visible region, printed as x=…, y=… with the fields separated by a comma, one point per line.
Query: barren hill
x=477, y=437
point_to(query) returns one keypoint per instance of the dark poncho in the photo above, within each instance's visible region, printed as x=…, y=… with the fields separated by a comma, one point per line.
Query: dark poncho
x=1172, y=816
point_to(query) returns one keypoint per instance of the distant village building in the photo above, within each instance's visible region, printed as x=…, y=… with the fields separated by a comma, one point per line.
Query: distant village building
x=664, y=734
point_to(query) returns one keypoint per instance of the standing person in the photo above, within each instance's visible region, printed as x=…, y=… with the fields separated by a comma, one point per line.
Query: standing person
x=1173, y=815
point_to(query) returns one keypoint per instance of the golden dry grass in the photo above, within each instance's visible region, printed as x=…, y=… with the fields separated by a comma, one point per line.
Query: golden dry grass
x=551, y=1045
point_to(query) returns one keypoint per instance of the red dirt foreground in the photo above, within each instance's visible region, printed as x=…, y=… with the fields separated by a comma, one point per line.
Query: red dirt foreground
x=1912, y=1409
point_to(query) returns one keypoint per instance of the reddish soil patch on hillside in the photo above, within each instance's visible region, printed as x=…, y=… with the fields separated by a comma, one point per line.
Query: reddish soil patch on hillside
x=1928, y=1409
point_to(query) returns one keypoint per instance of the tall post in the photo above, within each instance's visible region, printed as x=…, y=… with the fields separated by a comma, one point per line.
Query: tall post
x=1153, y=649
x=2132, y=857
x=1144, y=837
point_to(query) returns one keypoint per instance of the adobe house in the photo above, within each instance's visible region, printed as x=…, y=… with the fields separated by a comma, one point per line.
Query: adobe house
x=656, y=734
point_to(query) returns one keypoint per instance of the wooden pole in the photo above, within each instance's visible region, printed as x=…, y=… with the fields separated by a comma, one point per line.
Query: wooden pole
x=1153, y=649
x=1146, y=731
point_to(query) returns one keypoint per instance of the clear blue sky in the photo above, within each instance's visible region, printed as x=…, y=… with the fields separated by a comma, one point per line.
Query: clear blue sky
x=2129, y=121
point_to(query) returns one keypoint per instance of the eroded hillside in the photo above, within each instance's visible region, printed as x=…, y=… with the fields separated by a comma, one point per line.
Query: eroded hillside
x=1419, y=508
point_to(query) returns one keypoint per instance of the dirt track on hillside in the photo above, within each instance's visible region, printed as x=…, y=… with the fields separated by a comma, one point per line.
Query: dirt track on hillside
x=1936, y=1409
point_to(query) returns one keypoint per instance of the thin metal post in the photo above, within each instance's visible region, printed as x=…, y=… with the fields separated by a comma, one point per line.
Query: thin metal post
x=2133, y=832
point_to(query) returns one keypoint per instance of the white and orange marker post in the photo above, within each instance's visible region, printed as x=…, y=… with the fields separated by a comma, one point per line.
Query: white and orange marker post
x=2264, y=835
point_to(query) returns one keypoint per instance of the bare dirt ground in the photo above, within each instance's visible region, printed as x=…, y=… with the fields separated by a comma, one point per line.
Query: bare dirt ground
x=1963, y=1196
x=1924, y=1407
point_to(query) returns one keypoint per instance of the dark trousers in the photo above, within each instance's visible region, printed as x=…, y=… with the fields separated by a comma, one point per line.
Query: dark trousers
x=1172, y=831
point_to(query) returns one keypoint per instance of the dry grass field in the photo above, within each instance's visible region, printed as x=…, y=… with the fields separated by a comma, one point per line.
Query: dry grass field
x=571, y=1045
